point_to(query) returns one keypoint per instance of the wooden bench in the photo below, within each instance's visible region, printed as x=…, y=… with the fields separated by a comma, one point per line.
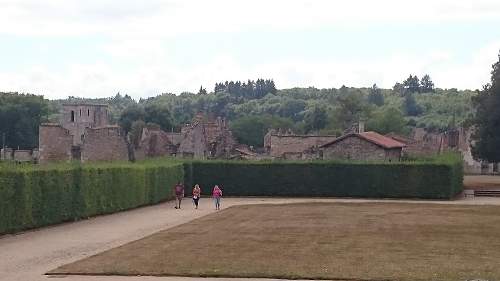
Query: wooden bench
x=487, y=193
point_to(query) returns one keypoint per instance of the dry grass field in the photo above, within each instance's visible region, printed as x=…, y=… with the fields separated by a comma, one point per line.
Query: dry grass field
x=362, y=241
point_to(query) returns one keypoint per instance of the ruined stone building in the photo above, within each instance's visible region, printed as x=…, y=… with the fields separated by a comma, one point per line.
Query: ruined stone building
x=424, y=143
x=155, y=142
x=369, y=146
x=82, y=134
x=419, y=147
x=287, y=145
x=355, y=144
x=203, y=138
x=206, y=138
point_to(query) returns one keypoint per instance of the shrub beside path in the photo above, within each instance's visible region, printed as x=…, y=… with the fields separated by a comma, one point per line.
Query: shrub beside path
x=27, y=256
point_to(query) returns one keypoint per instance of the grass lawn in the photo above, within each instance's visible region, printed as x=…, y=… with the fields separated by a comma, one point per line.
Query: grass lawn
x=356, y=241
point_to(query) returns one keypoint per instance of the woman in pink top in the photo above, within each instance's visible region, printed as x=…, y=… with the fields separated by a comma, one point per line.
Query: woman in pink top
x=217, y=194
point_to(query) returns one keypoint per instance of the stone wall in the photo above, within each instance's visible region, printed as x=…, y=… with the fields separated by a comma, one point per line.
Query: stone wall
x=194, y=143
x=421, y=148
x=426, y=142
x=471, y=166
x=154, y=143
x=77, y=117
x=174, y=138
x=55, y=143
x=104, y=144
x=6, y=154
x=355, y=148
x=23, y=155
x=206, y=139
x=278, y=145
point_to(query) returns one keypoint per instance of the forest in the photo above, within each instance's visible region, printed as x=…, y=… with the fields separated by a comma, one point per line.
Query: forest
x=254, y=106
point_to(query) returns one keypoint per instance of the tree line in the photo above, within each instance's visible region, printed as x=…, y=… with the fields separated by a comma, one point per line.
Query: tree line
x=254, y=106
x=248, y=90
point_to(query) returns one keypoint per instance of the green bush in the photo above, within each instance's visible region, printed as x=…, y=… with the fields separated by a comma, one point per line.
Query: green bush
x=32, y=196
x=437, y=178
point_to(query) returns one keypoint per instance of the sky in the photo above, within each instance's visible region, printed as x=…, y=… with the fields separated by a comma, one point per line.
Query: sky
x=97, y=48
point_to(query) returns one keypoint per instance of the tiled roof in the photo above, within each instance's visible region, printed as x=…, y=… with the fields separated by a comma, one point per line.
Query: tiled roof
x=381, y=140
x=372, y=137
x=400, y=138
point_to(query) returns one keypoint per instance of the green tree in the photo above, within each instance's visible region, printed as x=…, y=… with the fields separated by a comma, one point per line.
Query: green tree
x=315, y=119
x=411, y=107
x=136, y=132
x=375, y=96
x=387, y=121
x=130, y=114
x=251, y=129
x=202, y=91
x=351, y=108
x=487, y=119
x=159, y=114
x=20, y=118
x=426, y=84
x=291, y=108
x=412, y=84
x=398, y=88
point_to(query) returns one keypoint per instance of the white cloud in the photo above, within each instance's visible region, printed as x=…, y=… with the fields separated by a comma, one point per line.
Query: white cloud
x=102, y=80
x=141, y=65
x=157, y=18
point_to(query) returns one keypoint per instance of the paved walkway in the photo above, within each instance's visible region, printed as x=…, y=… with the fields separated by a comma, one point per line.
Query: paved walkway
x=27, y=256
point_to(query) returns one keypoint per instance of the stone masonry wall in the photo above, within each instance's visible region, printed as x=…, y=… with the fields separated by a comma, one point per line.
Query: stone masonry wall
x=23, y=155
x=55, y=143
x=154, y=143
x=77, y=117
x=354, y=148
x=280, y=145
x=194, y=143
x=104, y=144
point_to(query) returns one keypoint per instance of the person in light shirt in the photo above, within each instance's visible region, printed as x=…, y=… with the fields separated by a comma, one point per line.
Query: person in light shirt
x=196, y=195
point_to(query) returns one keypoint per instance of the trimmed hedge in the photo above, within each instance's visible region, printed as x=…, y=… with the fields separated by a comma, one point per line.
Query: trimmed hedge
x=37, y=196
x=437, y=178
x=34, y=196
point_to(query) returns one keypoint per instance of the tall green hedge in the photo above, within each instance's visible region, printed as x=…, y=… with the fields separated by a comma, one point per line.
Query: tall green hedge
x=34, y=196
x=438, y=178
x=37, y=196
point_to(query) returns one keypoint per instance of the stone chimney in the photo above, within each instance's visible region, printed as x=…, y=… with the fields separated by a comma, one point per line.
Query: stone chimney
x=361, y=127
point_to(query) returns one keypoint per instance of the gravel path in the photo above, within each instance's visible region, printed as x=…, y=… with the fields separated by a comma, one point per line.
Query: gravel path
x=27, y=256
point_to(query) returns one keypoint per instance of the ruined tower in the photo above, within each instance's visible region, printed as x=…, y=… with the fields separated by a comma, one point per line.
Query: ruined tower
x=76, y=117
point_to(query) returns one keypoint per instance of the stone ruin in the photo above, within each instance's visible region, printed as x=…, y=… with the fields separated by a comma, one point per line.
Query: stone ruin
x=19, y=155
x=424, y=143
x=83, y=134
x=203, y=138
x=280, y=144
x=155, y=142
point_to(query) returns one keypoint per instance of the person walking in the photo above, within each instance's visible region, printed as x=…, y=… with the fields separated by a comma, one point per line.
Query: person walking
x=217, y=194
x=196, y=195
x=179, y=194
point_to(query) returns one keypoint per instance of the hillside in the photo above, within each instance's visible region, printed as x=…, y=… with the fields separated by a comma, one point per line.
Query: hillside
x=255, y=106
x=305, y=110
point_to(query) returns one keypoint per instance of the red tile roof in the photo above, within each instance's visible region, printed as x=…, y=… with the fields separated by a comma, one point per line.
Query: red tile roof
x=372, y=137
x=400, y=138
x=381, y=140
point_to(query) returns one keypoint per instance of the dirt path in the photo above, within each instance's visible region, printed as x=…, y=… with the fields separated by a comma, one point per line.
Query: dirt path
x=27, y=256
x=482, y=182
